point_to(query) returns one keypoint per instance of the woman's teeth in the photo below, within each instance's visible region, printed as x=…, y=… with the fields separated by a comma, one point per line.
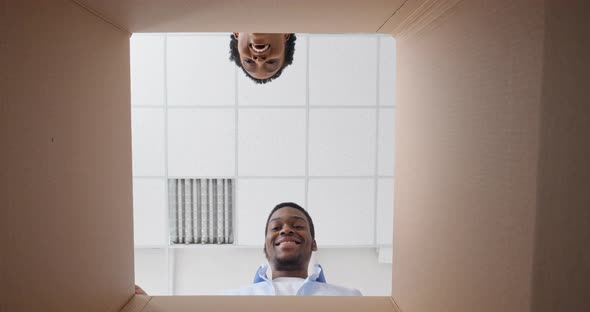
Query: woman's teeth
x=258, y=49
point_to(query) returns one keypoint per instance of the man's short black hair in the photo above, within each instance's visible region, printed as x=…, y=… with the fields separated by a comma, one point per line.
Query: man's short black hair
x=291, y=205
x=234, y=55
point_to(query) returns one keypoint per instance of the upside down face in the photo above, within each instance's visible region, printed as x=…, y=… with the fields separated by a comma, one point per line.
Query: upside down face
x=261, y=55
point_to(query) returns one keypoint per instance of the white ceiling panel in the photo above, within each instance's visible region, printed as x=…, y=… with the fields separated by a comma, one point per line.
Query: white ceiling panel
x=342, y=142
x=342, y=70
x=199, y=71
x=148, y=146
x=201, y=142
x=147, y=69
x=149, y=212
x=386, y=142
x=385, y=211
x=387, y=57
x=343, y=211
x=271, y=142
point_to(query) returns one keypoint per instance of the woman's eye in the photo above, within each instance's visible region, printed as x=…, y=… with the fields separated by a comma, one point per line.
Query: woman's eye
x=299, y=227
x=271, y=62
x=276, y=228
x=249, y=61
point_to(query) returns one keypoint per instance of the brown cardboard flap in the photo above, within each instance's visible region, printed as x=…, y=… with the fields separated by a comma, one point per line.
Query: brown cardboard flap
x=331, y=16
x=467, y=141
x=137, y=303
x=562, y=239
x=65, y=137
x=414, y=15
x=268, y=303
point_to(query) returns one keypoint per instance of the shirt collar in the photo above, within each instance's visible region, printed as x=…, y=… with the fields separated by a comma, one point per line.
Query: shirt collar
x=316, y=275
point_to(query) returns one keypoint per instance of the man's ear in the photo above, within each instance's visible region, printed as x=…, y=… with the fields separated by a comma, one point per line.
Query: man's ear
x=314, y=246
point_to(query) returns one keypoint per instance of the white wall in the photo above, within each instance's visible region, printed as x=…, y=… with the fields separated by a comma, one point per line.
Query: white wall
x=320, y=135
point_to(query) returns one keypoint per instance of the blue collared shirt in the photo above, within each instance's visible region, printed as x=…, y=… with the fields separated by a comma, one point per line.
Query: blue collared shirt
x=312, y=286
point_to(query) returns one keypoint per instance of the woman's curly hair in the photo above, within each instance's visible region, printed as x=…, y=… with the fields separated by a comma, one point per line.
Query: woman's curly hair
x=234, y=55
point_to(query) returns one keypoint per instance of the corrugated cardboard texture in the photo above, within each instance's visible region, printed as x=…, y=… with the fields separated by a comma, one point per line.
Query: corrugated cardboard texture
x=562, y=247
x=469, y=89
x=67, y=236
x=413, y=15
x=269, y=303
x=327, y=16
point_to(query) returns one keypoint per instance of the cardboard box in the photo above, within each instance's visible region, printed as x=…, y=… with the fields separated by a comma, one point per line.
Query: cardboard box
x=492, y=171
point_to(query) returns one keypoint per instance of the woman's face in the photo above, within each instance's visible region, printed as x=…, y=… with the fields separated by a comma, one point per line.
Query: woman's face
x=261, y=55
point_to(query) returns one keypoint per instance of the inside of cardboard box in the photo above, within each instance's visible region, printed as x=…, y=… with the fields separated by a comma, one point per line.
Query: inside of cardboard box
x=496, y=86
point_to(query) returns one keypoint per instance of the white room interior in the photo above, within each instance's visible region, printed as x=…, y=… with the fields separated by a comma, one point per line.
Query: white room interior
x=321, y=135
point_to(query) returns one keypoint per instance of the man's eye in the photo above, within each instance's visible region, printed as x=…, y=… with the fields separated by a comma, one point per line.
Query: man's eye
x=299, y=227
x=248, y=61
x=271, y=62
x=276, y=228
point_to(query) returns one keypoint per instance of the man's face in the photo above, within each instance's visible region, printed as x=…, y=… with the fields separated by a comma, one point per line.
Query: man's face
x=288, y=238
x=261, y=55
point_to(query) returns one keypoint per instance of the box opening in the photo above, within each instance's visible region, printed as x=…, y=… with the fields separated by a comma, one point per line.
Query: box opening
x=320, y=135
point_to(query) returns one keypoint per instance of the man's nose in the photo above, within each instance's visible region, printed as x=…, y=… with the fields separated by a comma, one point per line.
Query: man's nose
x=286, y=230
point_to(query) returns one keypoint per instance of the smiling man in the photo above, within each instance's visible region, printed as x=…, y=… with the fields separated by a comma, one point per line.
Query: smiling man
x=290, y=240
x=262, y=57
